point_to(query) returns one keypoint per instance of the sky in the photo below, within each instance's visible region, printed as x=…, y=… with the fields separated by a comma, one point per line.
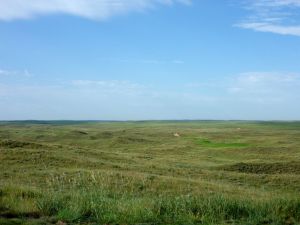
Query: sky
x=149, y=59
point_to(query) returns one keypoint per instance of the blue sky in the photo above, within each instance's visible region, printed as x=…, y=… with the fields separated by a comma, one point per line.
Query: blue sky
x=150, y=59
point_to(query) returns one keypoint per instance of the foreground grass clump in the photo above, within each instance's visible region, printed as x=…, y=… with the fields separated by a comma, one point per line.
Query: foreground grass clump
x=105, y=207
x=208, y=143
x=140, y=173
x=93, y=198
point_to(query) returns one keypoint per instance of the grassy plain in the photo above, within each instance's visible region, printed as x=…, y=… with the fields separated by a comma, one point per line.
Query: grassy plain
x=216, y=172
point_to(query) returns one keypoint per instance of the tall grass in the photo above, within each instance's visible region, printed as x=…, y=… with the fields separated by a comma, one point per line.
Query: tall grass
x=93, y=198
x=139, y=173
x=90, y=197
x=104, y=207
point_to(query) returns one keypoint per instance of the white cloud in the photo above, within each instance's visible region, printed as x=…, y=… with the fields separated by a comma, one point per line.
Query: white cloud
x=269, y=27
x=92, y=9
x=267, y=77
x=275, y=16
x=251, y=95
x=13, y=73
x=6, y=73
x=276, y=3
x=103, y=83
x=109, y=86
x=265, y=84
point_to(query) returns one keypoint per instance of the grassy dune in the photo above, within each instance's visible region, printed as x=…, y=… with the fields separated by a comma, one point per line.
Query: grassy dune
x=140, y=173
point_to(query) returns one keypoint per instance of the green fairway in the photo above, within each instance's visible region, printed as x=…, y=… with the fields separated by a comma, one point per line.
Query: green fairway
x=212, y=172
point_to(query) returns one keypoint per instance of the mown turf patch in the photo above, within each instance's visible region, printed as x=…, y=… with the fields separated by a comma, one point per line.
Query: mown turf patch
x=266, y=168
x=208, y=143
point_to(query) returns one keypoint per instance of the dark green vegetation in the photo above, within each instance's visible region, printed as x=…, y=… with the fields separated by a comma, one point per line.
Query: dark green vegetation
x=140, y=173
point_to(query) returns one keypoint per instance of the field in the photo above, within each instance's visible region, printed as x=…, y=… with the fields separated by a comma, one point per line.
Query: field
x=213, y=172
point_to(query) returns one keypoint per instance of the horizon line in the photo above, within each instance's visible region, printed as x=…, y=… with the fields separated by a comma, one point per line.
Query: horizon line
x=152, y=120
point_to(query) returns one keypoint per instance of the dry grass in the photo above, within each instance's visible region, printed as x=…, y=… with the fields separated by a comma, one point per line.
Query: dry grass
x=140, y=173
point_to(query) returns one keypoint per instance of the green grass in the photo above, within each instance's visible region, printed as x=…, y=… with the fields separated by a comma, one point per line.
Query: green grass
x=64, y=172
x=208, y=143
